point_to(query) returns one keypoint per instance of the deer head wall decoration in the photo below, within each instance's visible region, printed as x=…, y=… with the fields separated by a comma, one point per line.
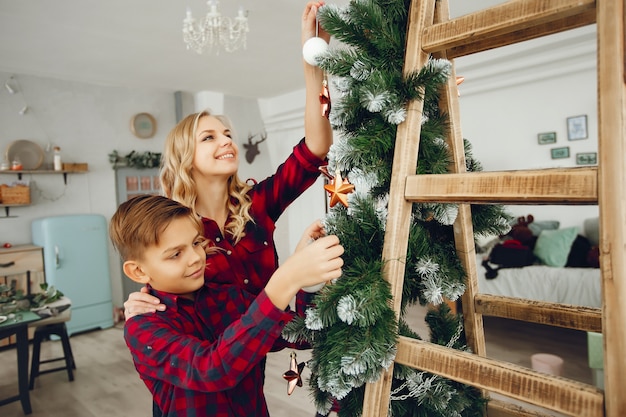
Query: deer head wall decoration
x=252, y=148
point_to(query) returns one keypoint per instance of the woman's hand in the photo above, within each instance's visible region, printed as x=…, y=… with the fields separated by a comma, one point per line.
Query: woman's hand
x=141, y=303
x=309, y=22
x=318, y=134
x=319, y=262
x=311, y=234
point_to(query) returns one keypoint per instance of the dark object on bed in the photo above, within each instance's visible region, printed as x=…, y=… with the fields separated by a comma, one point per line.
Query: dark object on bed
x=577, y=257
x=516, y=251
x=508, y=254
x=522, y=232
x=593, y=257
x=511, y=254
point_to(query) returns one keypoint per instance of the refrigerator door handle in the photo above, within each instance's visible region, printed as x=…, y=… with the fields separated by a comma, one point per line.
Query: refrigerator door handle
x=56, y=256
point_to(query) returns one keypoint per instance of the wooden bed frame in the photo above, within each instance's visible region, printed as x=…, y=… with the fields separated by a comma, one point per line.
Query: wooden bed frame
x=431, y=32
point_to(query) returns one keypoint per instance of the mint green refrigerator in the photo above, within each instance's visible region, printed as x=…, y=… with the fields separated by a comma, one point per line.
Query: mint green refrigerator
x=76, y=261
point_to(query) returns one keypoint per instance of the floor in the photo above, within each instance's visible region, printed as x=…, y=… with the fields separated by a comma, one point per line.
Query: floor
x=106, y=383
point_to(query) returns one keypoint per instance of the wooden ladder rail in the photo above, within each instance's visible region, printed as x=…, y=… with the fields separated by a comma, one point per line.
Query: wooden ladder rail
x=509, y=23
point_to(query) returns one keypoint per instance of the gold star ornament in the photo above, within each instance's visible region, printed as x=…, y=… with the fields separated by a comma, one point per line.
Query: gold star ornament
x=339, y=190
x=294, y=374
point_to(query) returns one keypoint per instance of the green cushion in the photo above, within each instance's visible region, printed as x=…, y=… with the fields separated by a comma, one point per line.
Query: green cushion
x=553, y=246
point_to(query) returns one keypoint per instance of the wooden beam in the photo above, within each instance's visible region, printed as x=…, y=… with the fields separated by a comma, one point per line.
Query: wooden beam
x=555, y=393
x=566, y=186
x=421, y=13
x=588, y=319
x=570, y=22
x=505, y=409
x=506, y=24
x=612, y=178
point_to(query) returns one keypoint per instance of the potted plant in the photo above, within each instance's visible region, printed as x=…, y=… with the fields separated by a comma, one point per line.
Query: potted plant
x=14, y=300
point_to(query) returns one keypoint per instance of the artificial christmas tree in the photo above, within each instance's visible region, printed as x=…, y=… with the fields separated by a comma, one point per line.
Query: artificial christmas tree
x=352, y=328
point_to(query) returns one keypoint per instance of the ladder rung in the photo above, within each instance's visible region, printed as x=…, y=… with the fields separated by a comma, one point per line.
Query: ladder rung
x=506, y=24
x=553, y=314
x=567, y=186
x=556, y=393
x=506, y=409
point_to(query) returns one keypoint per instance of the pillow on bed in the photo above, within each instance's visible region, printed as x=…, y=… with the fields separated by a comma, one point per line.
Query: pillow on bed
x=592, y=232
x=539, y=225
x=553, y=246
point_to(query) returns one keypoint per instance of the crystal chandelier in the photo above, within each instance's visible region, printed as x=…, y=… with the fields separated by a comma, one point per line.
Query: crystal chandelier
x=215, y=31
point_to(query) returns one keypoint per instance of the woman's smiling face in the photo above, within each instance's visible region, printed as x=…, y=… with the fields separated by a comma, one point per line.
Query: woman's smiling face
x=215, y=152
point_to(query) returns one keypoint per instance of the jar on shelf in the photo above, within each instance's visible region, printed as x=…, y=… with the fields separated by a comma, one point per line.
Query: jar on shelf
x=16, y=165
x=58, y=166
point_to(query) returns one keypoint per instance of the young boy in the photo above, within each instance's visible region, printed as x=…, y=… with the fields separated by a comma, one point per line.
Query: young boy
x=200, y=357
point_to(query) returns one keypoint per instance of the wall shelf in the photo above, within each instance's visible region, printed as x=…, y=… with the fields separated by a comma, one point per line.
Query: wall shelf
x=19, y=174
x=7, y=207
x=41, y=171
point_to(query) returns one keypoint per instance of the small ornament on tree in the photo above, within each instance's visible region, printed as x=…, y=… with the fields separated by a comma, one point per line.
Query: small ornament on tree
x=459, y=81
x=338, y=188
x=325, y=99
x=313, y=49
x=294, y=374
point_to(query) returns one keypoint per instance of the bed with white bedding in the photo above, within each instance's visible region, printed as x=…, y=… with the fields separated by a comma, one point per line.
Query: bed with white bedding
x=577, y=286
x=565, y=285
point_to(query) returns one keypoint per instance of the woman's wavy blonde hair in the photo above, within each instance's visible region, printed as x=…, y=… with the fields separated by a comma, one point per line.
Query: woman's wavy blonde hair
x=178, y=184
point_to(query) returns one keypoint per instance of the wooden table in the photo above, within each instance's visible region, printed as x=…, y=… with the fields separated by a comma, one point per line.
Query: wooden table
x=19, y=328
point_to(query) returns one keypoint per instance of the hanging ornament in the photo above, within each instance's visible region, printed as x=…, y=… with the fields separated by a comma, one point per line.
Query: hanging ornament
x=325, y=99
x=314, y=288
x=338, y=188
x=314, y=47
x=294, y=374
x=459, y=81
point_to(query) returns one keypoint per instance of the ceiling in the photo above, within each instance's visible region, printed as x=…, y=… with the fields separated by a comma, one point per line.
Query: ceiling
x=138, y=44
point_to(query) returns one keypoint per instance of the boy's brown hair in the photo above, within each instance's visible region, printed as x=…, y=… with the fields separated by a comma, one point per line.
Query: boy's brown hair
x=139, y=222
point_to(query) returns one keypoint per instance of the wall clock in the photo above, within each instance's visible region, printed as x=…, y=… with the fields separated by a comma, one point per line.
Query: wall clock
x=143, y=125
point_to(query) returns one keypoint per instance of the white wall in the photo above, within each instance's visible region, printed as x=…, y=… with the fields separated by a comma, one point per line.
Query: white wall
x=511, y=94
x=284, y=121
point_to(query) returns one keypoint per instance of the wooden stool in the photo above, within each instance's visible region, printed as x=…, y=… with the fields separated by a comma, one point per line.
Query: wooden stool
x=41, y=333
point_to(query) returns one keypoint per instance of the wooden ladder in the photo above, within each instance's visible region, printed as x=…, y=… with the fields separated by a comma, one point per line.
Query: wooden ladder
x=431, y=32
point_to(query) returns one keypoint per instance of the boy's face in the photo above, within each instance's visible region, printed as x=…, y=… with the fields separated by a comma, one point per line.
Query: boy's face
x=176, y=265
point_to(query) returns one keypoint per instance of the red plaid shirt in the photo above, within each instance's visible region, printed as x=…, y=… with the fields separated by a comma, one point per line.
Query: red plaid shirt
x=251, y=262
x=203, y=358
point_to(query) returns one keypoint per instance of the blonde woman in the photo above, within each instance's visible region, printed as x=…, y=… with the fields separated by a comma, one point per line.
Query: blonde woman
x=200, y=163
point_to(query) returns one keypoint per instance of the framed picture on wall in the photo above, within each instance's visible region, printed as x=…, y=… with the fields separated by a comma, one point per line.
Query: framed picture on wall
x=560, y=153
x=577, y=127
x=587, y=158
x=546, y=138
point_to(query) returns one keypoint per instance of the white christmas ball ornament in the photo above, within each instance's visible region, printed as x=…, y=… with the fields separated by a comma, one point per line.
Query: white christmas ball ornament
x=313, y=48
x=314, y=288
